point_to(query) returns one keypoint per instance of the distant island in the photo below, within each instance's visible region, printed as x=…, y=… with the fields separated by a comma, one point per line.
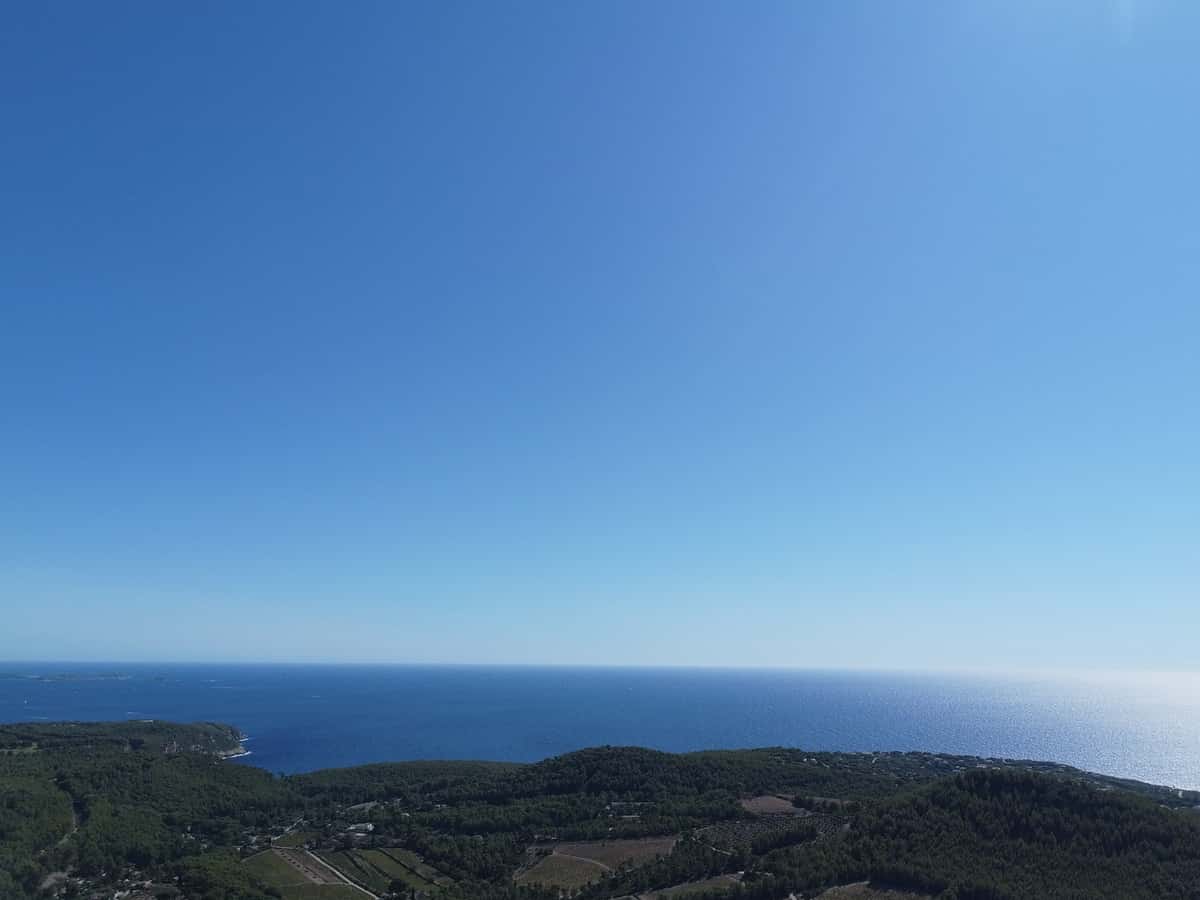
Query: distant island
x=65, y=676
x=151, y=810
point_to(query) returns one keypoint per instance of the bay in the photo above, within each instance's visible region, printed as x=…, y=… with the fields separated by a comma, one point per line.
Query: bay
x=305, y=717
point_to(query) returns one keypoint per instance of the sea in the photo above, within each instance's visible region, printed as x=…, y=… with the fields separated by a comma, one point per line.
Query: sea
x=304, y=717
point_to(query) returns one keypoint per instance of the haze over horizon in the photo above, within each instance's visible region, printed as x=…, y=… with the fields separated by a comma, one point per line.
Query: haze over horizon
x=844, y=335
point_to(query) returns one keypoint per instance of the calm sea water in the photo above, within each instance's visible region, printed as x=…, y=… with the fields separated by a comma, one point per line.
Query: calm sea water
x=308, y=717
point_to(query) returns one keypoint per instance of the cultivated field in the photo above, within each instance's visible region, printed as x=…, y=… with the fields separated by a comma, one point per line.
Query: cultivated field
x=299, y=877
x=567, y=872
x=322, y=892
x=771, y=805
x=679, y=891
x=295, y=838
x=273, y=869
x=414, y=874
x=865, y=891
x=741, y=833
x=614, y=853
x=392, y=870
x=573, y=864
x=313, y=870
x=418, y=866
x=377, y=869
x=358, y=869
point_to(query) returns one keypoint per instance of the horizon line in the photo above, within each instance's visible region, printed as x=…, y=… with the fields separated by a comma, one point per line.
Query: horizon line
x=731, y=667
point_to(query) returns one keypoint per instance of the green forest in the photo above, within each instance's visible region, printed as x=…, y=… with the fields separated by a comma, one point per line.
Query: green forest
x=153, y=809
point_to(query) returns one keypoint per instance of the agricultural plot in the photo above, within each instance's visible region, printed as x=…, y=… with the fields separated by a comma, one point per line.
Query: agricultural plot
x=298, y=877
x=422, y=869
x=615, y=853
x=771, y=805
x=742, y=833
x=377, y=869
x=295, y=839
x=312, y=891
x=395, y=870
x=273, y=869
x=866, y=891
x=565, y=872
x=313, y=869
x=681, y=891
x=359, y=870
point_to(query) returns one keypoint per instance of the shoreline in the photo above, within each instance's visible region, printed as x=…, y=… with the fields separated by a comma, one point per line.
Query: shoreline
x=241, y=747
x=1099, y=780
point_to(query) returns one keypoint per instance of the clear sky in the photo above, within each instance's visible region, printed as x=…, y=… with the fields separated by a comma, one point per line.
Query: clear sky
x=815, y=334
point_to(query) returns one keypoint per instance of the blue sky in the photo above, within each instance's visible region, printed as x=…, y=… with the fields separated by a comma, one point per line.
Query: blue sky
x=816, y=334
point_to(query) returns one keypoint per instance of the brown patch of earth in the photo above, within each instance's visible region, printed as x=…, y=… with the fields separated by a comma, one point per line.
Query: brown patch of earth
x=613, y=853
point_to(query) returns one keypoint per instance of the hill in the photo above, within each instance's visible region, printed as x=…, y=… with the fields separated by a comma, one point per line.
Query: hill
x=151, y=808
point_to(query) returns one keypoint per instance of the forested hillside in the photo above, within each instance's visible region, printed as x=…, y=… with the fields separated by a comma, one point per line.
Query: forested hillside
x=92, y=798
x=153, y=810
x=994, y=834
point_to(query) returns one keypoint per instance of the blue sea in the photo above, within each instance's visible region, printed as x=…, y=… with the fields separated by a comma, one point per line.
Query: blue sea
x=304, y=717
